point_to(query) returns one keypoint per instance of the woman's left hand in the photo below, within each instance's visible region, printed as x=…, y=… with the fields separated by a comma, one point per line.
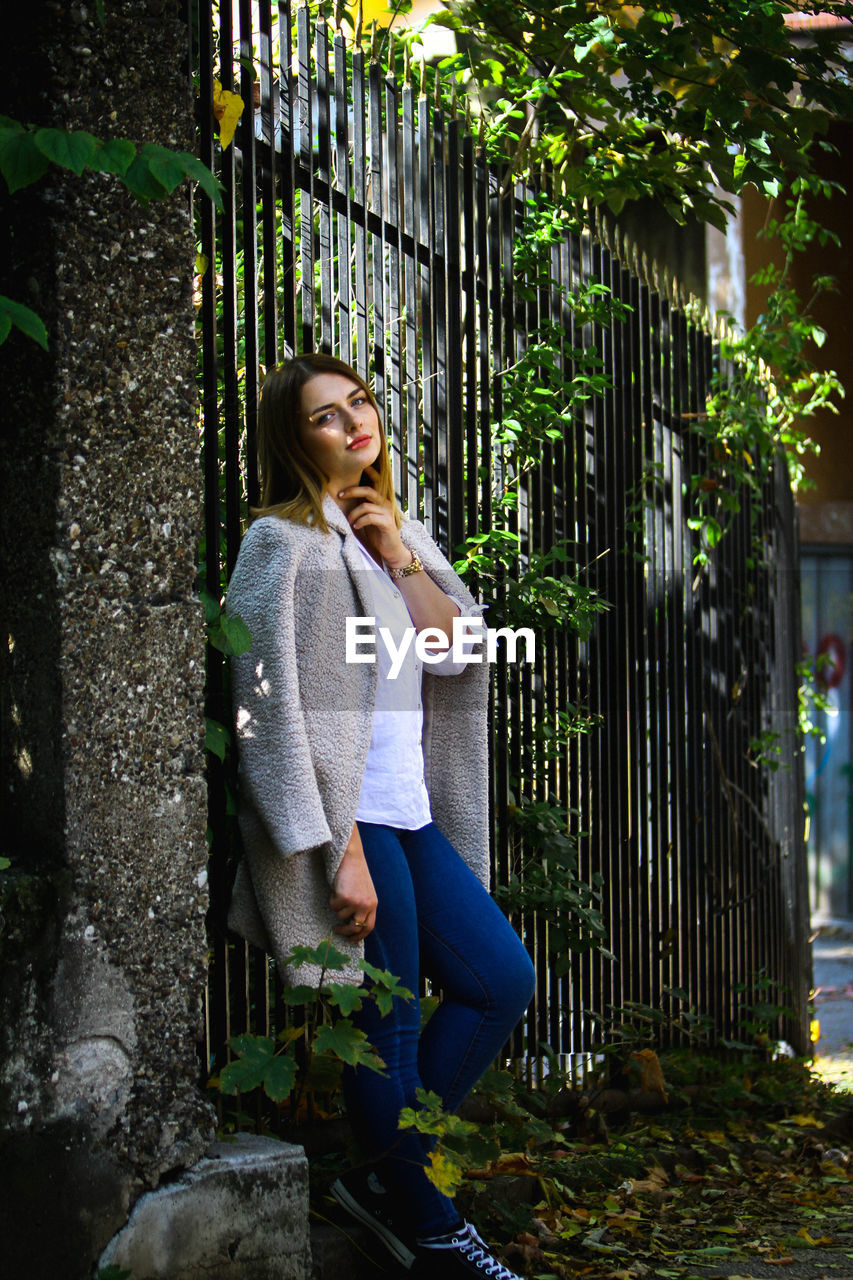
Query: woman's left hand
x=353, y=899
x=374, y=521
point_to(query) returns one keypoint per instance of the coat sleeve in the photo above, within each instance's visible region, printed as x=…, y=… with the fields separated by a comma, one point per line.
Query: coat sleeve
x=277, y=776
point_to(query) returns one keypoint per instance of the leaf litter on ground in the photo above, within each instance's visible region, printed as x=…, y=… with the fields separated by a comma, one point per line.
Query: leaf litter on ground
x=747, y=1172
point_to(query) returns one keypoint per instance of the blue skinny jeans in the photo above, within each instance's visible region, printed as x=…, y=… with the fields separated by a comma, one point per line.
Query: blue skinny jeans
x=434, y=918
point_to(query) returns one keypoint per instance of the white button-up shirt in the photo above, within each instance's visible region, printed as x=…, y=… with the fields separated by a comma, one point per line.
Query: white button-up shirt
x=393, y=791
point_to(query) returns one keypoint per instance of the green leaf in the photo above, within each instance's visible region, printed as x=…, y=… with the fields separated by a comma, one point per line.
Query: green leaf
x=198, y=172
x=324, y=956
x=248, y=65
x=237, y=634
x=141, y=181
x=216, y=737
x=258, y=1066
x=164, y=165
x=444, y=19
x=212, y=607
x=712, y=531
x=69, y=149
x=248, y=1070
x=115, y=155
x=349, y=1044
x=21, y=162
x=280, y=1077
x=385, y=987
x=15, y=313
x=346, y=997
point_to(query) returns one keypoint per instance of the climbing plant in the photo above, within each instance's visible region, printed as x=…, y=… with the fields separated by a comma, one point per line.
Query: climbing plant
x=150, y=172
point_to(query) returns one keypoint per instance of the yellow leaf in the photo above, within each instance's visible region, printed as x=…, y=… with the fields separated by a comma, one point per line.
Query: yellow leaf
x=227, y=108
x=804, y=1122
x=651, y=1076
x=814, y=1030
x=444, y=1174
x=811, y=1241
x=201, y=263
x=510, y=1162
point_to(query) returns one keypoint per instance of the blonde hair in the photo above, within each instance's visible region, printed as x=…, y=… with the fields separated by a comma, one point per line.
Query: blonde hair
x=292, y=485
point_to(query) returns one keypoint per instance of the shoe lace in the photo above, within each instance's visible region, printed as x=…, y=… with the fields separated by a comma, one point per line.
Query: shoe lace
x=476, y=1251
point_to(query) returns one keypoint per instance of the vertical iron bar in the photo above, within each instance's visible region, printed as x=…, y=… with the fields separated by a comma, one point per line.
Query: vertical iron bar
x=327, y=335
x=343, y=189
x=270, y=132
x=439, y=388
x=284, y=116
x=426, y=235
x=453, y=345
x=305, y=116
x=641, y=869
x=411, y=227
x=217, y=998
x=249, y=191
x=468, y=302
x=359, y=171
x=249, y=238
x=394, y=323
x=377, y=238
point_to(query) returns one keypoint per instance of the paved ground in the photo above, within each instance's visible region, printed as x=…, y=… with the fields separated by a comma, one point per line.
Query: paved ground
x=832, y=952
x=832, y=956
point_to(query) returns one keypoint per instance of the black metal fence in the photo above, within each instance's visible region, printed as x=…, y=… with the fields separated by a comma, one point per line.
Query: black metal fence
x=363, y=219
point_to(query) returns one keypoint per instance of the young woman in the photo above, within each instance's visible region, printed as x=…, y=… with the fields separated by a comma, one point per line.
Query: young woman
x=363, y=787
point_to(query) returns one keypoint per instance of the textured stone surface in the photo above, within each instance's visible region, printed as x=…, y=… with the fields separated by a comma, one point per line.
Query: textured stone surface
x=240, y=1214
x=104, y=801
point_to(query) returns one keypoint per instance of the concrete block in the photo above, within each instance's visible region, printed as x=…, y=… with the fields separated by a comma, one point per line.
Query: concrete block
x=240, y=1214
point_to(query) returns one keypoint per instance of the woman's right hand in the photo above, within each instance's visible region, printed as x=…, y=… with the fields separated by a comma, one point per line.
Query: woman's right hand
x=353, y=897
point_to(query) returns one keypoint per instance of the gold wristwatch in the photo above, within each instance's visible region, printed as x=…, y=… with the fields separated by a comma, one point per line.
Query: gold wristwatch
x=414, y=567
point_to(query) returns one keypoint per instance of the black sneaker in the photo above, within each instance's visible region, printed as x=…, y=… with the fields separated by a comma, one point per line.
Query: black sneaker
x=460, y=1254
x=363, y=1196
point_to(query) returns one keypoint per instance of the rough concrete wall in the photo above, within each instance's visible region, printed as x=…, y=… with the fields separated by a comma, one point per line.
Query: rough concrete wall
x=102, y=941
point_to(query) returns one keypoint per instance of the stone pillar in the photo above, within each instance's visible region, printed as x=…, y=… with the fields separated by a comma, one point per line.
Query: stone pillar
x=102, y=944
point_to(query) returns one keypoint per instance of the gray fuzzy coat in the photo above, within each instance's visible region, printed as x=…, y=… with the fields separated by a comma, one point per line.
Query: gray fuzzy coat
x=304, y=716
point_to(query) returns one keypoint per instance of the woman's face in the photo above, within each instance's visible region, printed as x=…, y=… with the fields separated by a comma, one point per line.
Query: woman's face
x=339, y=428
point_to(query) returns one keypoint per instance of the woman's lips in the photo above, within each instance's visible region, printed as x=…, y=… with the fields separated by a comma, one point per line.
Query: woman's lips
x=359, y=442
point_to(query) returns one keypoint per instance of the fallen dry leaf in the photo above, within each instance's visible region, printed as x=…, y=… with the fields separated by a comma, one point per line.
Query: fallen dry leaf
x=651, y=1074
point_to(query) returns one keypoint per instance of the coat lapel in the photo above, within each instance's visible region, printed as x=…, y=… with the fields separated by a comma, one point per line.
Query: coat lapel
x=350, y=554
